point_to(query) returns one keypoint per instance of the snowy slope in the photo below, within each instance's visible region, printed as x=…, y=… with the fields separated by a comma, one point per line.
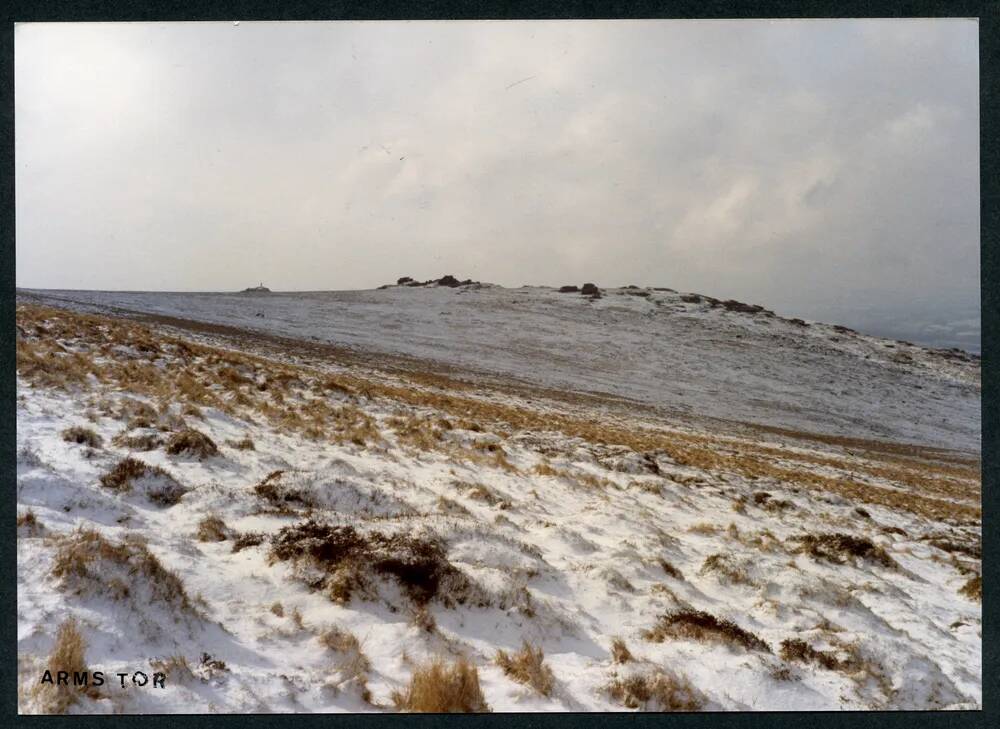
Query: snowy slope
x=647, y=345
x=846, y=570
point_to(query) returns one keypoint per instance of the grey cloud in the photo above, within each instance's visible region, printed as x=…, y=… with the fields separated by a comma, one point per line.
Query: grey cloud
x=790, y=163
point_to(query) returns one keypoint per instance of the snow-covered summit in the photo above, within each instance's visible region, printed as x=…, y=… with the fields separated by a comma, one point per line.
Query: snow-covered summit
x=679, y=352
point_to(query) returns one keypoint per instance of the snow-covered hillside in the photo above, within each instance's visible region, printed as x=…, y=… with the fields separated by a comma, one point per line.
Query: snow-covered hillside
x=674, y=351
x=281, y=525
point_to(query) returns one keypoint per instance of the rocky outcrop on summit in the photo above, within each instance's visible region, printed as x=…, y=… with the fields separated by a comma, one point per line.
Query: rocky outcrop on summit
x=447, y=280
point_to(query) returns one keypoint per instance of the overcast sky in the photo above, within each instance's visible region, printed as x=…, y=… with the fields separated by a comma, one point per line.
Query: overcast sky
x=805, y=165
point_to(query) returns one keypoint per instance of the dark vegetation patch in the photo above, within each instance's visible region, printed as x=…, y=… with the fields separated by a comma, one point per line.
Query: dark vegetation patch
x=728, y=568
x=765, y=500
x=698, y=625
x=279, y=494
x=29, y=523
x=247, y=540
x=159, y=486
x=446, y=280
x=778, y=505
x=839, y=548
x=212, y=666
x=141, y=442
x=212, y=529
x=82, y=436
x=793, y=649
x=191, y=442
x=480, y=492
x=619, y=651
x=973, y=589
x=657, y=691
x=974, y=550
x=343, y=561
x=671, y=570
x=139, y=422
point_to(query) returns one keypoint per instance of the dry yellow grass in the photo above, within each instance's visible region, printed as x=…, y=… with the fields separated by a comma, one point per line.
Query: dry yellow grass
x=656, y=691
x=619, y=651
x=441, y=688
x=420, y=433
x=528, y=666
x=243, y=444
x=84, y=559
x=545, y=469
x=69, y=655
x=352, y=665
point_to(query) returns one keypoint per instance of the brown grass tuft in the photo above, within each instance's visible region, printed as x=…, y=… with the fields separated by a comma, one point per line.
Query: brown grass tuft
x=698, y=625
x=422, y=434
x=341, y=560
x=619, y=651
x=69, y=655
x=727, y=568
x=439, y=688
x=527, y=666
x=973, y=589
x=352, y=665
x=142, y=442
x=839, y=548
x=191, y=442
x=671, y=570
x=120, y=477
x=212, y=529
x=480, y=492
x=968, y=548
x=29, y=522
x=423, y=619
x=657, y=691
x=87, y=562
x=176, y=668
x=243, y=444
x=82, y=436
x=545, y=469
x=247, y=540
x=793, y=649
x=274, y=490
x=162, y=488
